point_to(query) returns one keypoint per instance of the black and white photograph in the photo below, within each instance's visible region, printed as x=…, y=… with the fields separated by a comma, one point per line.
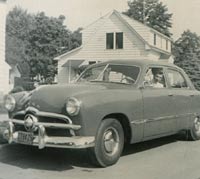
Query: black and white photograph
x=93, y=89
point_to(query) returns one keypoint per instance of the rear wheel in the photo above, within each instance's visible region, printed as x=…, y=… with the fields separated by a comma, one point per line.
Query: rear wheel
x=194, y=132
x=2, y=140
x=109, y=143
x=2, y=128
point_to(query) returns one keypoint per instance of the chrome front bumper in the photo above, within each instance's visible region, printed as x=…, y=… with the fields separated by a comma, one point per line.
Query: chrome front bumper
x=42, y=140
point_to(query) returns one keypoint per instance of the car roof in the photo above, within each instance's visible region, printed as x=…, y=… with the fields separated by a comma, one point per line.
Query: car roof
x=138, y=62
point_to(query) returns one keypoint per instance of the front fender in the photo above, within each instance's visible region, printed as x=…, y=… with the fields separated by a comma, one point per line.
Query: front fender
x=95, y=106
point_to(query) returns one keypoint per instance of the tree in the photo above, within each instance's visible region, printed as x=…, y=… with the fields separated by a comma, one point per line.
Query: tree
x=18, y=26
x=46, y=40
x=152, y=13
x=35, y=39
x=76, y=38
x=186, y=51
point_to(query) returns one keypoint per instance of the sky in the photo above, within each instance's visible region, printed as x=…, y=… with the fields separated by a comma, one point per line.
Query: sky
x=80, y=13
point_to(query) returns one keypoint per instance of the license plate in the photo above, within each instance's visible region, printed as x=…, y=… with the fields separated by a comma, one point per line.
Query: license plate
x=25, y=137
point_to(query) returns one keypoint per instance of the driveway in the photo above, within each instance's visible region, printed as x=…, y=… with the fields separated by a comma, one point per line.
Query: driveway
x=166, y=158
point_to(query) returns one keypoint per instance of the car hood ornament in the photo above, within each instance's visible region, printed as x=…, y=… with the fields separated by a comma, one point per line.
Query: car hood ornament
x=30, y=122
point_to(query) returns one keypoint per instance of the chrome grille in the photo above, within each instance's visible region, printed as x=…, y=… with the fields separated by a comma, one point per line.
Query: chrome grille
x=54, y=124
x=51, y=120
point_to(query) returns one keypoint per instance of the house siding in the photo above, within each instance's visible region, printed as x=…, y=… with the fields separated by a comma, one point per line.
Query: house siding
x=153, y=55
x=160, y=41
x=148, y=34
x=95, y=48
x=4, y=67
x=135, y=46
x=63, y=72
x=139, y=27
x=91, y=30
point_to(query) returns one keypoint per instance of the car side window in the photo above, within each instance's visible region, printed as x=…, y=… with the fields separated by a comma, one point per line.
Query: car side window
x=154, y=77
x=176, y=79
x=121, y=74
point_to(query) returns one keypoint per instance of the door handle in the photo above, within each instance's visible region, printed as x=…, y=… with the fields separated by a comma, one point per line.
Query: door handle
x=170, y=94
x=192, y=95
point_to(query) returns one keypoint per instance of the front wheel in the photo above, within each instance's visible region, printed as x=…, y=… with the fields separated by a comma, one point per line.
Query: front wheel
x=194, y=132
x=109, y=143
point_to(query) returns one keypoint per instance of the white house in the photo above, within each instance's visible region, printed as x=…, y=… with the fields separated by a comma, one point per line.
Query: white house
x=13, y=73
x=4, y=67
x=114, y=36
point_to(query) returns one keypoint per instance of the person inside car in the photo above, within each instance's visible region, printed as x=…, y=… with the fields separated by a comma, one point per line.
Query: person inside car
x=157, y=81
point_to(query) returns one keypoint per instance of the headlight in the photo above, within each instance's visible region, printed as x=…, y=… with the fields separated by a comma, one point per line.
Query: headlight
x=9, y=102
x=73, y=106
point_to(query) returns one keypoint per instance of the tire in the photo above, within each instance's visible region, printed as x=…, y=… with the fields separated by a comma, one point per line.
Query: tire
x=194, y=132
x=2, y=140
x=109, y=143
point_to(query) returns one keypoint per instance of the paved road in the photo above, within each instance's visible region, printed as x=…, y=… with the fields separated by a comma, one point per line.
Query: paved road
x=166, y=158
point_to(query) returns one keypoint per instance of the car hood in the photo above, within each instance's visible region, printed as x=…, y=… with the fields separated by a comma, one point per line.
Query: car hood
x=52, y=98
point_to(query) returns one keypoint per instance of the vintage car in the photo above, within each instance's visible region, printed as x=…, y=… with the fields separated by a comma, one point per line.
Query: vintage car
x=110, y=104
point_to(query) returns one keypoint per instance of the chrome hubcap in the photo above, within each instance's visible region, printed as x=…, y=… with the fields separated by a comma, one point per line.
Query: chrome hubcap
x=111, y=141
x=197, y=124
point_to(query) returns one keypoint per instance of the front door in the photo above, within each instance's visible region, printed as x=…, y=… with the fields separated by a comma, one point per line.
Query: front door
x=159, y=109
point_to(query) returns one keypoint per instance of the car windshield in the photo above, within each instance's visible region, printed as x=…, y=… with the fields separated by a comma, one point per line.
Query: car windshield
x=111, y=73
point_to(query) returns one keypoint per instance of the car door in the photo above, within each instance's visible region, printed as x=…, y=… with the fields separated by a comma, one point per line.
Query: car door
x=159, y=112
x=181, y=94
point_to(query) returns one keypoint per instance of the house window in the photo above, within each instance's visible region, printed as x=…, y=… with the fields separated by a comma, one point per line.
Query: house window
x=119, y=40
x=166, y=44
x=161, y=41
x=114, y=40
x=109, y=40
x=154, y=39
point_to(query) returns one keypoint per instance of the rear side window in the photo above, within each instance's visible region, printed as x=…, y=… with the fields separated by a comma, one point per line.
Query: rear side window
x=123, y=74
x=176, y=79
x=111, y=73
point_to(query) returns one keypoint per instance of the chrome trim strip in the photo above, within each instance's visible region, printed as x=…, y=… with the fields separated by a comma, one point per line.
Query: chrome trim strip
x=41, y=137
x=142, y=121
x=57, y=125
x=187, y=114
x=51, y=125
x=67, y=142
x=161, y=118
x=21, y=122
x=138, y=122
x=42, y=140
x=54, y=115
x=20, y=113
x=32, y=109
x=44, y=114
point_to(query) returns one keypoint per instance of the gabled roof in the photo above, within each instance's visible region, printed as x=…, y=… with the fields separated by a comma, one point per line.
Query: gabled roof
x=138, y=25
x=139, y=29
x=67, y=53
